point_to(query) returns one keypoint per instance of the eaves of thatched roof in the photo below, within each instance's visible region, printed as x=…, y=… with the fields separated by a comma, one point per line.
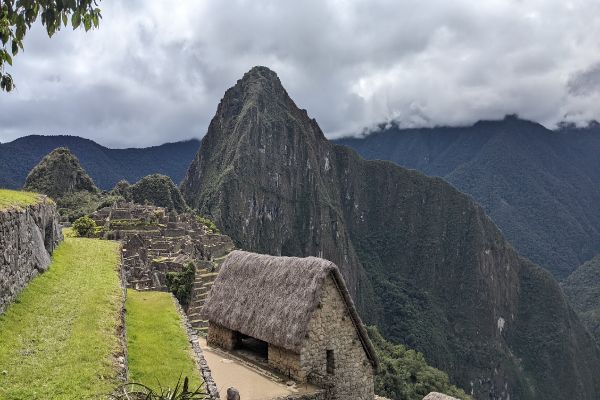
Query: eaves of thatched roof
x=273, y=298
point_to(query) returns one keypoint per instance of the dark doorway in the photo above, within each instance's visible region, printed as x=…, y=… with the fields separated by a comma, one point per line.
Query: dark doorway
x=253, y=347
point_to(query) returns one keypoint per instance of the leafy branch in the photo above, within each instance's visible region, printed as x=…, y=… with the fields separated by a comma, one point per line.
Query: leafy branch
x=17, y=17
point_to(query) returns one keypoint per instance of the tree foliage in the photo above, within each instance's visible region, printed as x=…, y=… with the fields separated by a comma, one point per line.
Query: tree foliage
x=17, y=17
x=84, y=226
x=181, y=284
x=405, y=374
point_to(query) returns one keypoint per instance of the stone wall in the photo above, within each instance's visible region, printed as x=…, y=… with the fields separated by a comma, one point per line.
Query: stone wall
x=286, y=362
x=222, y=337
x=332, y=329
x=27, y=238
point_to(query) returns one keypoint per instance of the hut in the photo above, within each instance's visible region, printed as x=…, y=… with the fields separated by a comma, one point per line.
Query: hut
x=300, y=310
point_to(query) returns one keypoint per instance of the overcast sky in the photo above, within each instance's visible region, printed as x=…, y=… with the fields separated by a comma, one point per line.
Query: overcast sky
x=156, y=69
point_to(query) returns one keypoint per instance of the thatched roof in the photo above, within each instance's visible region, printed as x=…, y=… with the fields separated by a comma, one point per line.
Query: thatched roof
x=273, y=298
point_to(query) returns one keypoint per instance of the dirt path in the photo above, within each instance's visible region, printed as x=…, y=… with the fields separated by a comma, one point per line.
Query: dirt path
x=228, y=371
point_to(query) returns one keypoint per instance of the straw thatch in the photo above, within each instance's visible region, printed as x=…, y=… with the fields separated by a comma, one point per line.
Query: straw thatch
x=273, y=298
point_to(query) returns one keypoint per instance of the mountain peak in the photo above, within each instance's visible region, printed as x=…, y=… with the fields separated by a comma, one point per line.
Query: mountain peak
x=58, y=174
x=258, y=82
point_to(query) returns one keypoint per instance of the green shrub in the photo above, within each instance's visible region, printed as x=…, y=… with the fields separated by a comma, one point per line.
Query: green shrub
x=404, y=373
x=207, y=223
x=85, y=226
x=181, y=284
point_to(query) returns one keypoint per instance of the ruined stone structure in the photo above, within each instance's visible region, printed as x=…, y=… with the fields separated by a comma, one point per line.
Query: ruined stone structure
x=156, y=242
x=27, y=238
x=301, y=311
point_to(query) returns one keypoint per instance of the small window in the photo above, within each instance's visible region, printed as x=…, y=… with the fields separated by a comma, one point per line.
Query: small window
x=330, y=362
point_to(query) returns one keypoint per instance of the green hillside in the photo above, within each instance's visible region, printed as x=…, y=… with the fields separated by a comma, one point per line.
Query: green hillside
x=541, y=187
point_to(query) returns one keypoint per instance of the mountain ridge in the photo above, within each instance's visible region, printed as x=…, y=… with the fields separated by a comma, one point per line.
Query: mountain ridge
x=422, y=260
x=106, y=166
x=539, y=186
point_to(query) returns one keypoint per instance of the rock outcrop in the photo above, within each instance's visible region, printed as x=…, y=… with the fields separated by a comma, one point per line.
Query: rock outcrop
x=438, y=396
x=59, y=174
x=27, y=238
x=422, y=260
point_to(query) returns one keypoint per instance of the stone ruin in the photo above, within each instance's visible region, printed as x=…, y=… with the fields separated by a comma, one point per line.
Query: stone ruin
x=156, y=242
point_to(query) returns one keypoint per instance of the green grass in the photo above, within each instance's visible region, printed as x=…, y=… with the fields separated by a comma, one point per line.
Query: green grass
x=58, y=340
x=14, y=198
x=158, y=348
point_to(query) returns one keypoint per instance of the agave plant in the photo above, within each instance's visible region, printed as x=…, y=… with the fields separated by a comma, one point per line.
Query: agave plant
x=139, y=391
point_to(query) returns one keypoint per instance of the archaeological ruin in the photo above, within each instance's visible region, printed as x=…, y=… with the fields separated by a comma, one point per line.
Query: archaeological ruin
x=157, y=242
x=297, y=314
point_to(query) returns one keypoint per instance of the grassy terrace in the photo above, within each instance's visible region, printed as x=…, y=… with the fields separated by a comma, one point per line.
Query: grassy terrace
x=158, y=348
x=14, y=198
x=58, y=340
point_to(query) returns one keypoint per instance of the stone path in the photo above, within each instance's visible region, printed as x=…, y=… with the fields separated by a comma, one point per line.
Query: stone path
x=252, y=382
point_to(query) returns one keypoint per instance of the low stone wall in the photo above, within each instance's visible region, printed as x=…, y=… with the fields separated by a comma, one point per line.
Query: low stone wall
x=209, y=383
x=286, y=362
x=27, y=238
x=221, y=337
x=320, y=395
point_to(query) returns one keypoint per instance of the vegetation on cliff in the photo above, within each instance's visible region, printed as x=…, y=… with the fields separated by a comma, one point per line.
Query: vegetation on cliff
x=582, y=288
x=405, y=375
x=59, y=338
x=158, y=348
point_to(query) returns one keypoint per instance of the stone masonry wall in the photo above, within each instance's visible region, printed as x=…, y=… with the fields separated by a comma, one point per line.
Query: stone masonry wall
x=27, y=238
x=286, y=362
x=331, y=328
x=221, y=337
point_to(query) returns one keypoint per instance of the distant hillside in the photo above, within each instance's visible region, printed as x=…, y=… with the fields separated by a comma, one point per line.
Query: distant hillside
x=541, y=187
x=105, y=166
x=582, y=288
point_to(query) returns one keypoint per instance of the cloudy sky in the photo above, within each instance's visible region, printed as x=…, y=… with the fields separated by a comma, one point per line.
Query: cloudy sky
x=155, y=70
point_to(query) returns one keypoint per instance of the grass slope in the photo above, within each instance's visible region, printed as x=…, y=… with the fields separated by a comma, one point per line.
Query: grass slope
x=14, y=198
x=158, y=348
x=59, y=338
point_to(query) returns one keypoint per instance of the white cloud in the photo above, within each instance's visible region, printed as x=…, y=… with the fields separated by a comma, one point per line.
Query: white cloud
x=155, y=70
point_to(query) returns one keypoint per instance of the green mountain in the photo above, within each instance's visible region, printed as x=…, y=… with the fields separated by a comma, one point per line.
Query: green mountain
x=582, y=288
x=541, y=187
x=422, y=260
x=106, y=166
x=59, y=174
x=155, y=189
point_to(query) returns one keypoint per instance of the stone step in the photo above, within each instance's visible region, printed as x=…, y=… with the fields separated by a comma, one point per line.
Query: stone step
x=194, y=309
x=202, y=330
x=198, y=322
x=207, y=275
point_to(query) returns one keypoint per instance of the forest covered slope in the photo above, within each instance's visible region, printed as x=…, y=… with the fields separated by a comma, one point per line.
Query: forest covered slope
x=541, y=187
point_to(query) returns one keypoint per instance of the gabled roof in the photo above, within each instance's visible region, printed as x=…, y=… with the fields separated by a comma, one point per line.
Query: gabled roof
x=273, y=298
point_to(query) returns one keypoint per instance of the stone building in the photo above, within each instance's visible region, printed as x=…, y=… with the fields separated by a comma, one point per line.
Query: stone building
x=299, y=312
